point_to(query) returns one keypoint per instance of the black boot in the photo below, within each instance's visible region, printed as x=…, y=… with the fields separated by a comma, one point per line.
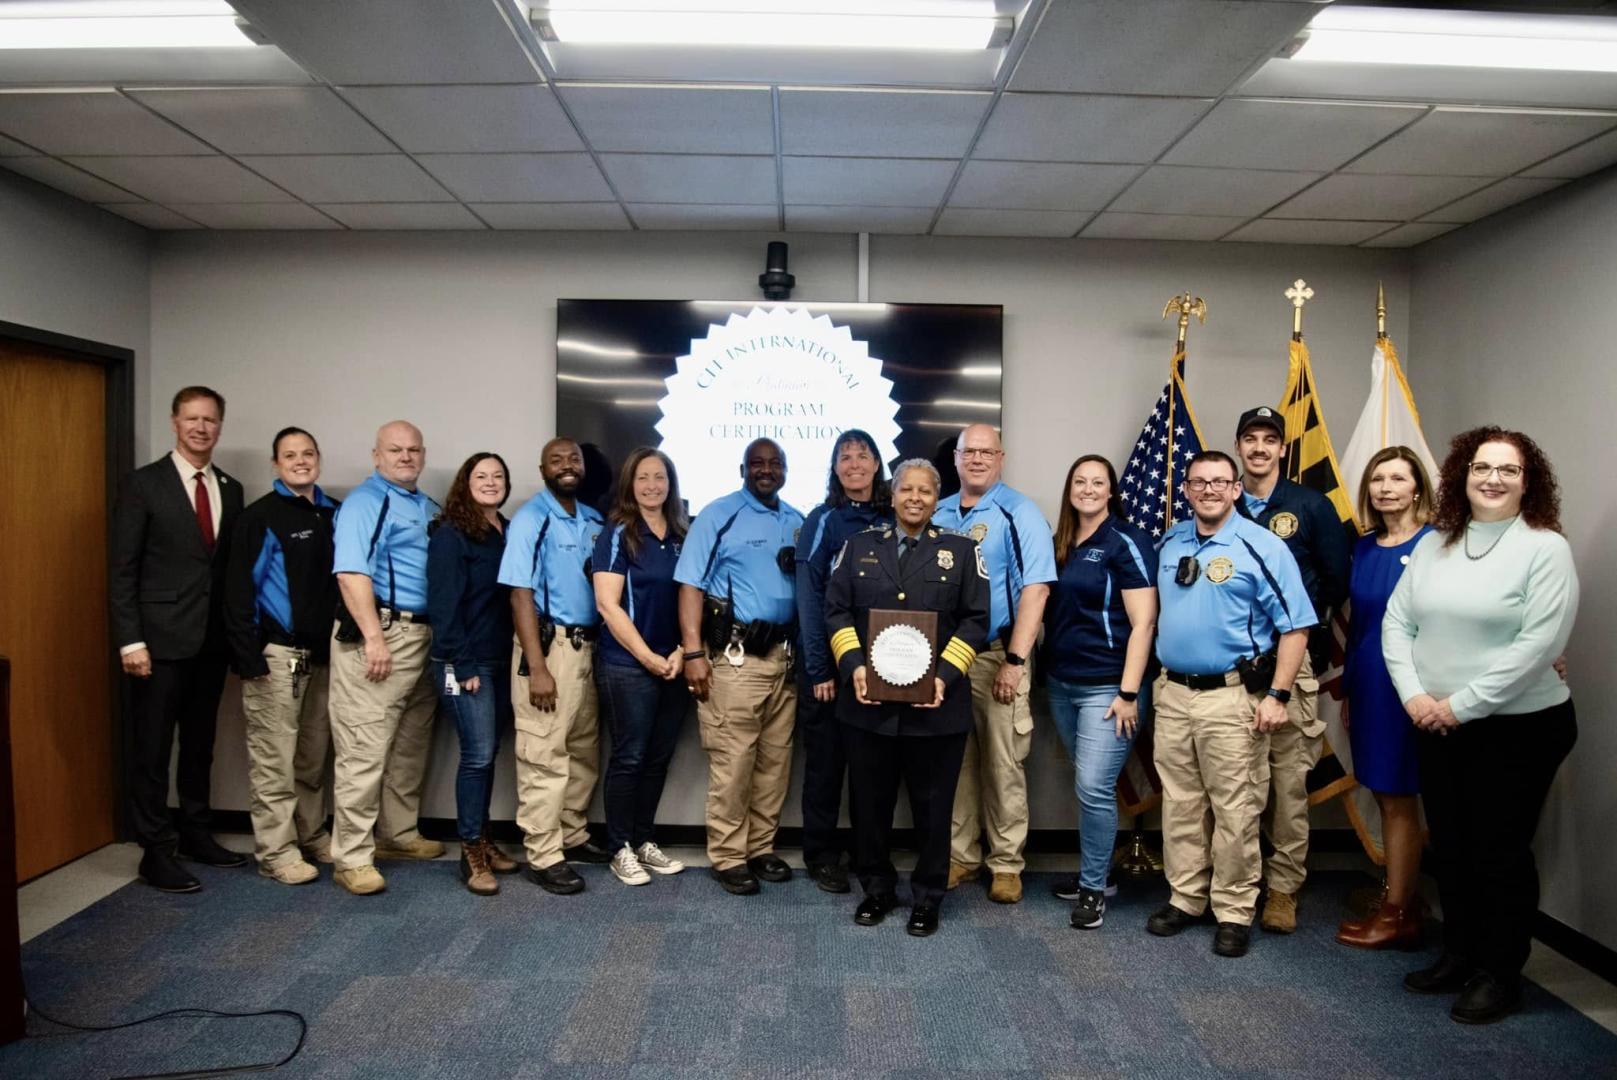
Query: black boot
x=159, y=870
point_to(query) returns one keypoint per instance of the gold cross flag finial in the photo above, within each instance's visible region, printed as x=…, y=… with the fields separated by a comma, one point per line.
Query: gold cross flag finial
x=1299, y=294
x=1186, y=306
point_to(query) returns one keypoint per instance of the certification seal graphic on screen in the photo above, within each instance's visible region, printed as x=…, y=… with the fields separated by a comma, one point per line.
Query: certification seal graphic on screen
x=775, y=373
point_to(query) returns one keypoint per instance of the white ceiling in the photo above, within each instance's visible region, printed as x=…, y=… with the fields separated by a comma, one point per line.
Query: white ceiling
x=1125, y=119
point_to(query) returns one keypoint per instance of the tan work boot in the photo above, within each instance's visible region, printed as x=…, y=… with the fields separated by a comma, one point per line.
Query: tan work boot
x=498, y=861
x=475, y=870
x=1280, y=912
x=361, y=880
x=419, y=848
x=318, y=850
x=290, y=872
x=1006, y=889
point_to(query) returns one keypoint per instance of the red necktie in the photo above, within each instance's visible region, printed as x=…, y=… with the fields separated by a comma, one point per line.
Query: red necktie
x=204, y=512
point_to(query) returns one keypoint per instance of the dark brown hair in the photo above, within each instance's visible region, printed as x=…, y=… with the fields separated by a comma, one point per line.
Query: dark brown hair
x=1372, y=519
x=626, y=512
x=460, y=509
x=1215, y=455
x=191, y=393
x=287, y=432
x=1067, y=520
x=1541, y=496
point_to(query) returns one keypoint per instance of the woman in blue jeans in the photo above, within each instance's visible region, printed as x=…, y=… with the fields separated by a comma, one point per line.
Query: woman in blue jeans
x=1097, y=633
x=471, y=650
x=638, y=662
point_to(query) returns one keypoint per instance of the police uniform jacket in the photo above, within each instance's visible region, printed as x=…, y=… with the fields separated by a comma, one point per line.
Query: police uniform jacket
x=278, y=585
x=1316, y=538
x=945, y=574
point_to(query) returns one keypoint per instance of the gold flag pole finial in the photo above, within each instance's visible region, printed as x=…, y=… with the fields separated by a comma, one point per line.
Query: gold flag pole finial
x=1381, y=312
x=1299, y=294
x=1186, y=306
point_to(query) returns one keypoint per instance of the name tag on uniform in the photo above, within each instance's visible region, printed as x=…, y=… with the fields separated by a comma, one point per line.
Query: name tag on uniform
x=1094, y=555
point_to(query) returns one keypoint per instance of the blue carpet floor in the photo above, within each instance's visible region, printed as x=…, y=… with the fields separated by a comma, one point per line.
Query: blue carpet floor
x=678, y=979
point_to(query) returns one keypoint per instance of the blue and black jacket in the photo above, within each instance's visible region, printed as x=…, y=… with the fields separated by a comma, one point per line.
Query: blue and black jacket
x=278, y=586
x=825, y=530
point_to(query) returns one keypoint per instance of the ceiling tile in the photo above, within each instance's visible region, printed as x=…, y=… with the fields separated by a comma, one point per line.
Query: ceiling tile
x=176, y=180
x=1193, y=48
x=64, y=177
x=823, y=181
x=351, y=178
x=687, y=216
x=1241, y=134
x=1275, y=231
x=467, y=119
x=879, y=123
x=855, y=219
x=403, y=215
x=1053, y=223
x=1408, y=235
x=90, y=122
x=518, y=177
x=1491, y=199
x=691, y=178
x=1580, y=160
x=151, y=216
x=1176, y=189
x=1020, y=185
x=568, y=215
x=1480, y=142
x=1085, y=127
x=670, y=119
x=1116, y=226
x=256, y=215
x=394, y=41
x=290, y=120
x=10, y=148
x=1377, y=198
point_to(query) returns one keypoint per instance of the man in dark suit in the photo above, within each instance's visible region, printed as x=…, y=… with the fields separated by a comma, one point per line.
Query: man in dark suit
x=170, y=534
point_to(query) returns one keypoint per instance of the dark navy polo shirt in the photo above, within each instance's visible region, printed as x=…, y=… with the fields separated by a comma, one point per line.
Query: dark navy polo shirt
x=650, y=593
x=1086, y=626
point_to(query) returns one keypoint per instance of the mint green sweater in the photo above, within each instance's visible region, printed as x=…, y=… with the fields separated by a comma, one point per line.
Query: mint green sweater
x=1483, y=632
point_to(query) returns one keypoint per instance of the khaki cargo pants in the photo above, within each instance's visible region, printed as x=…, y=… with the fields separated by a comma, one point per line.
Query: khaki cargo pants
x=746, y=725
x=991, y=796
x=1294, y=750
x=288, y=740
x=558, y=753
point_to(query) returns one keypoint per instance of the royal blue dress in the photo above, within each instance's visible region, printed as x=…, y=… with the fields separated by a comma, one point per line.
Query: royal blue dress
x=1379, y=731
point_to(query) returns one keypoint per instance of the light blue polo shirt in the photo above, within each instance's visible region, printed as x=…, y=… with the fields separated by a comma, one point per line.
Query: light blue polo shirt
x=733, y=550
x=1015, y=543
x=394, y=557
x=553, y=569
x=1249, y=591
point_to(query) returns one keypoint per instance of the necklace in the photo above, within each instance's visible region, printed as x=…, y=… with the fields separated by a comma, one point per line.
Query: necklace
x=1484, y=555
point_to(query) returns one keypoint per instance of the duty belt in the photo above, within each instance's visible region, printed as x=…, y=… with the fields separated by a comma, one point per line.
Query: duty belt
x=390, y=616
x=1203, y=682
x=578, y=636
x=756, y=638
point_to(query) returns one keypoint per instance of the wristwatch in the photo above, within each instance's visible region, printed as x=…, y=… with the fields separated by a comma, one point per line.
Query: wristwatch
x=1013, y=659
x=1282, y=696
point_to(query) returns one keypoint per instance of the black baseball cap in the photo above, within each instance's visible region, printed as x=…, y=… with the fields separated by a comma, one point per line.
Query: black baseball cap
x=1262, y=416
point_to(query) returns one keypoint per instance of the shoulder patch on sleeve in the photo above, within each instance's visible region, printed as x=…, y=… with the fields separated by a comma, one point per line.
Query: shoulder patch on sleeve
x=982, y=567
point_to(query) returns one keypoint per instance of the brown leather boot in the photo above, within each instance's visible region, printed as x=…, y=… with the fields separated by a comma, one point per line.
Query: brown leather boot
x=475, y=870
x=498, y=861
x=1392, y=927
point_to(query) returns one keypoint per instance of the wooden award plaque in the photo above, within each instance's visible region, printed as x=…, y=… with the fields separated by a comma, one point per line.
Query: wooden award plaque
x=901, y=652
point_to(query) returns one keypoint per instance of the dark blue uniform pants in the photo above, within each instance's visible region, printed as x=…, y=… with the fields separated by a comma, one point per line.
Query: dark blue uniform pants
x=824, y=764
x=929, y=765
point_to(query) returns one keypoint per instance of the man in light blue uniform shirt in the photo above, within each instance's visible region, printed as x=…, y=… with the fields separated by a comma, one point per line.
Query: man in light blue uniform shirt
x=1231, y=636
x=737, y=617
x=382, y=700
x=558, y=752
x=1014, y=545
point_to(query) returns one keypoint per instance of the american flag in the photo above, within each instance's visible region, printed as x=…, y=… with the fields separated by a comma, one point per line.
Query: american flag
x=1151, y=482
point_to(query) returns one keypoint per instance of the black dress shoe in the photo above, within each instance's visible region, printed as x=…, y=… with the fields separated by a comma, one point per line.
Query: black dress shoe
x=587, y=852
x=159, y=870
x=923, y=920
x=770, y=867
x=558, y=878
x=1486, y=999
x=736, y=880
x=873, y=909
x=204, y=849
x=1231, y=939
x=1168, y=920
x=830, y=877
x=1448, y=976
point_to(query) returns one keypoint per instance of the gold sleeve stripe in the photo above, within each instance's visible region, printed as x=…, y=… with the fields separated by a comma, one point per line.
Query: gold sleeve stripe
x=959, y=654
x=843, y=642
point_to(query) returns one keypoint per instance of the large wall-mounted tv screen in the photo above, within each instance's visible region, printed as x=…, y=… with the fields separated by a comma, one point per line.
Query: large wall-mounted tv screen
x=700, y=379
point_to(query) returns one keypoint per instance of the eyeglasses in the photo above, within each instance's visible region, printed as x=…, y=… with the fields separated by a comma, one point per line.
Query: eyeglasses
x=1482, y=470
x=1219, y=484
x=978, y=455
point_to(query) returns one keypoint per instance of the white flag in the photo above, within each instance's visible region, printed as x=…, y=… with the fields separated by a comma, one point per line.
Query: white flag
x=1389, y=419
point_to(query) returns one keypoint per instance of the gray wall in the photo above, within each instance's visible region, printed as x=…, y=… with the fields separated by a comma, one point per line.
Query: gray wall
x=1517, y=314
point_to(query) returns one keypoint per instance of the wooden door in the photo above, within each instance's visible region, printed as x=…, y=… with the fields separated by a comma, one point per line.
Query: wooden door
x=53, y=603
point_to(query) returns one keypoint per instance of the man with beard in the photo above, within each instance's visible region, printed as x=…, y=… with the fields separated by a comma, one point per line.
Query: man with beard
x=547, y=550
x=737, y=617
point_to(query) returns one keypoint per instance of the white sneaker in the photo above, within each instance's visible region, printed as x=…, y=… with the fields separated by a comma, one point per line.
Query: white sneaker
x=627, y=869
x=653, y=859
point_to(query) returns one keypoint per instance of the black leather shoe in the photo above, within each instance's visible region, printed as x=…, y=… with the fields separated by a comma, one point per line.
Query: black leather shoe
x=830, y=877
x=737, y=880
x=770, y=867
x=873, y=909
x=1486, y=999
x=1231, y=939
x=159, y=870
x=204, y=849
x=923, y=920
x=558, y=878
x=1168, y=920
x=1448, y=976
x=587, y=852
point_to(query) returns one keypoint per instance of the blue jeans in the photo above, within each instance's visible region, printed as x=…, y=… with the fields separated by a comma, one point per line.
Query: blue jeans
x=643, y=714
x=1097, y=756
x=479, y=719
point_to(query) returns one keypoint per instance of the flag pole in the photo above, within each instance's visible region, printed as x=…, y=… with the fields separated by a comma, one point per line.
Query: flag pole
x=1186, y=306
x=1381, y=312
x=1299, y=294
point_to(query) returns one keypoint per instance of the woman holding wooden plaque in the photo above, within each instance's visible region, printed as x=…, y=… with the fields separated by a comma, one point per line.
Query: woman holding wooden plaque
x=906, y=610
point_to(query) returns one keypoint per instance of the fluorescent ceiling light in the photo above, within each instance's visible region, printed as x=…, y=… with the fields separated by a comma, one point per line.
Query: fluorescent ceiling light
x=1460, y=39
x=120, y=24
x=843, y=24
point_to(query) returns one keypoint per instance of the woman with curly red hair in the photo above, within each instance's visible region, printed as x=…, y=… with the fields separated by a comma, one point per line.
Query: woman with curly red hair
x=1470, y=639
